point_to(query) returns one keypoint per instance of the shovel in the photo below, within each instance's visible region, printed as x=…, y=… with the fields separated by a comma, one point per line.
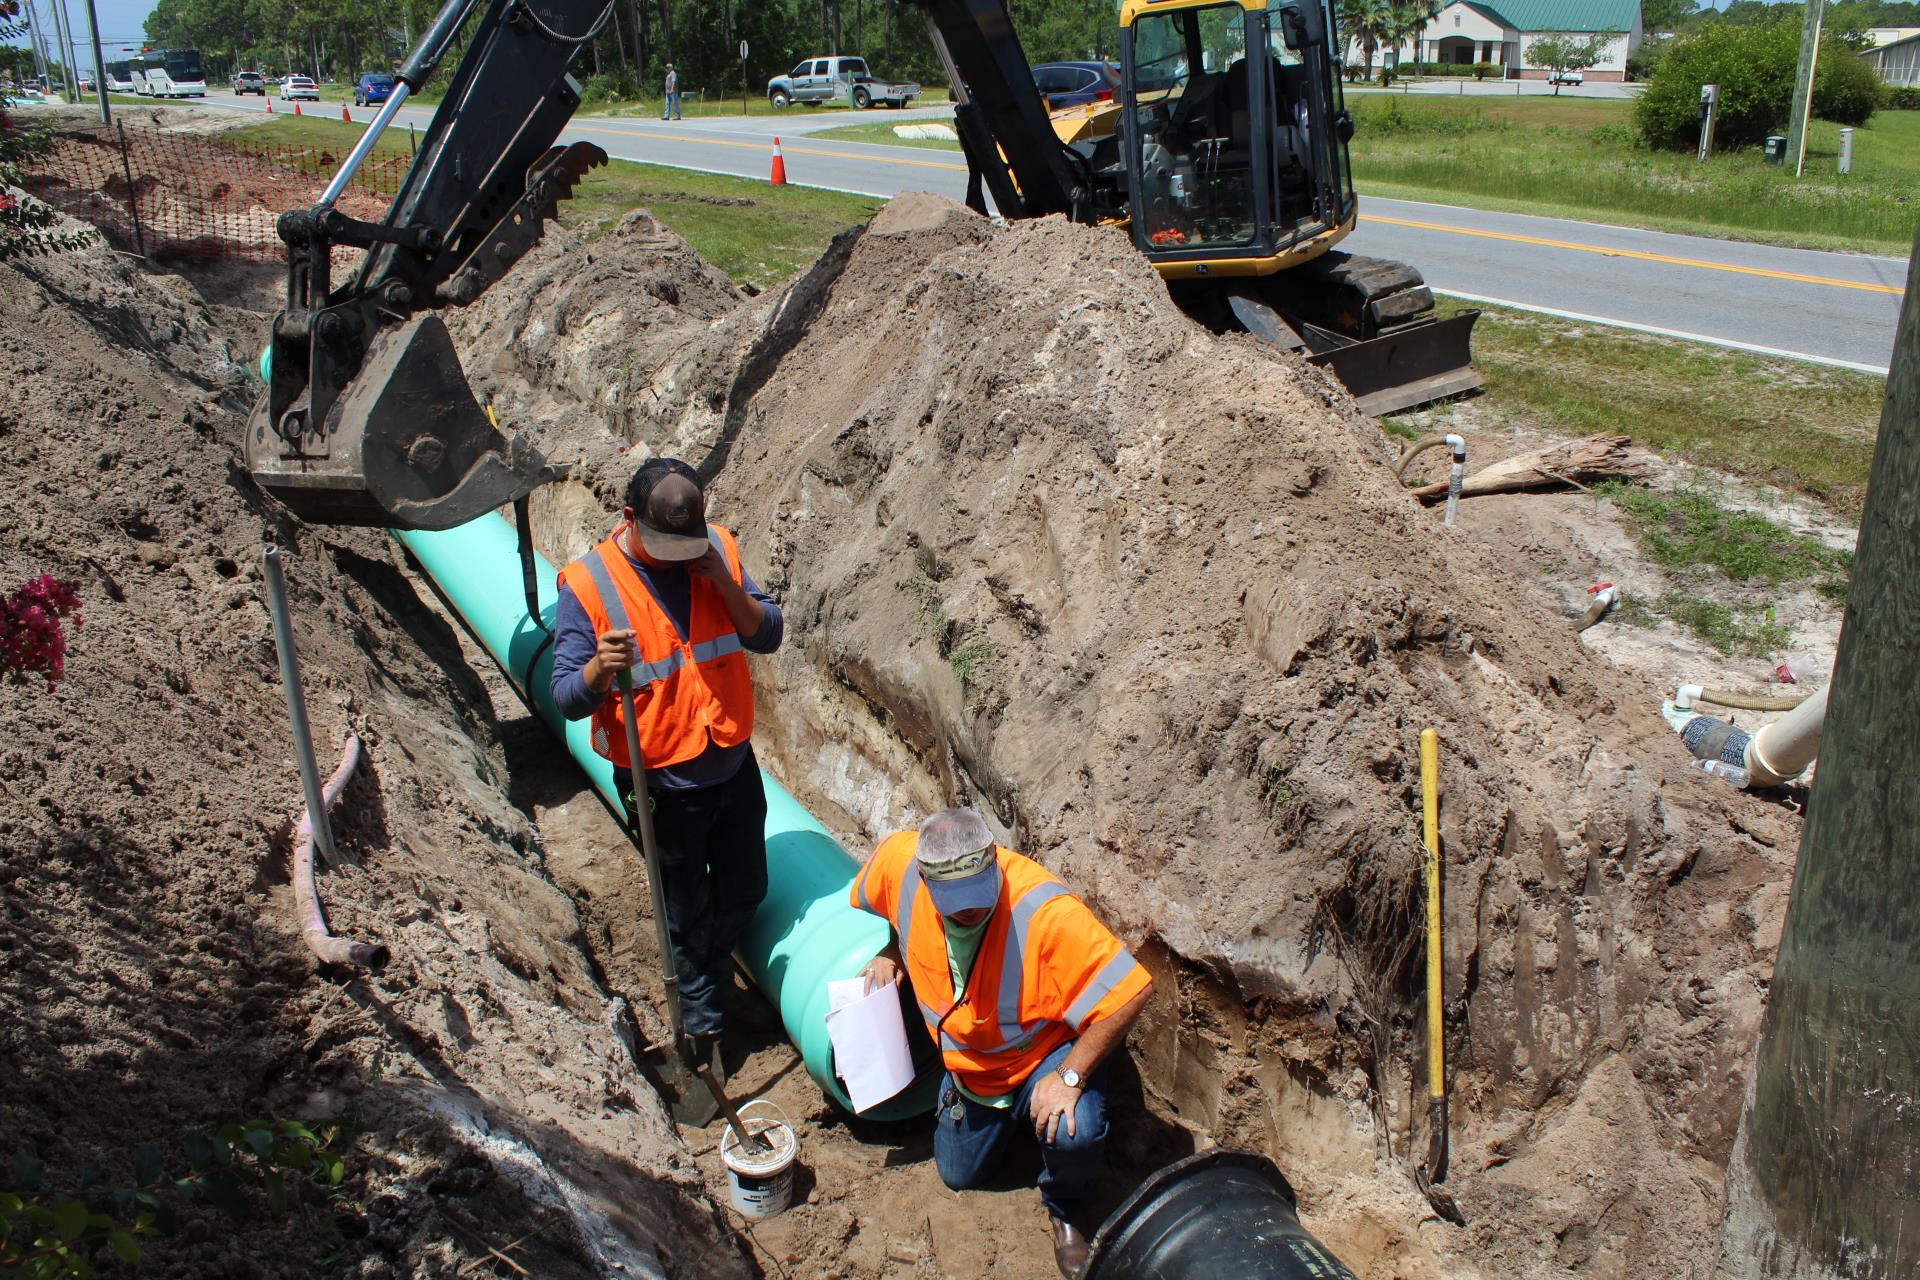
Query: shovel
x=689, y=1103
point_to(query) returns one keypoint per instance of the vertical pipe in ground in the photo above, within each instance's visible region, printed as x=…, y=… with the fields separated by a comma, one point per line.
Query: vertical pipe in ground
x=297, y=707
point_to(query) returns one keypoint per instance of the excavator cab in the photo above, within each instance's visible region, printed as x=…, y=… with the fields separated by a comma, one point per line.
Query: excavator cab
x=1233, y=136
x=1229, y=173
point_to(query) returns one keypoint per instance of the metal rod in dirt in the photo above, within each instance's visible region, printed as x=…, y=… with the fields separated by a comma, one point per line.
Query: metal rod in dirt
x=297, y=706
x=362, y=148
x=133, y=192
x=99, y=64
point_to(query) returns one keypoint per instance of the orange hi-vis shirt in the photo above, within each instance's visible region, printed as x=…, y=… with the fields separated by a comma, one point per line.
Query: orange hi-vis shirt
x=686, y=690
x=1047, y=969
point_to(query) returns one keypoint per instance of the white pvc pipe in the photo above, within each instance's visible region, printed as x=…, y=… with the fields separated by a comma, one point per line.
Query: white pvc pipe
x=1783, y=749
x=1456, y=474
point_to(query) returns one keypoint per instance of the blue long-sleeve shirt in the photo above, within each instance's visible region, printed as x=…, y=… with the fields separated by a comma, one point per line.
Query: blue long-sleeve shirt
x=574, y=642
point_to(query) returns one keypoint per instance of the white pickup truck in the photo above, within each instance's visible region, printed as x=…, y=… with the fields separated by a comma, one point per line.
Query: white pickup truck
x=824, y=79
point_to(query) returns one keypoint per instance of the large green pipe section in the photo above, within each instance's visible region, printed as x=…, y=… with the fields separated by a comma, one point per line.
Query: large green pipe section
x=805, y=934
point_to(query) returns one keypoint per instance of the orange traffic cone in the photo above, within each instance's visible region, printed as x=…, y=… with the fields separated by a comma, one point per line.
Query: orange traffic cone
x=344, y=117
x=296, y=108
x=269, y=106
x=778, y=178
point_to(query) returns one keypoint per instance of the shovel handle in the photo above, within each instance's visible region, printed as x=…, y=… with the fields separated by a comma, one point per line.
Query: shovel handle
x=650, y=852
x=751, y=1143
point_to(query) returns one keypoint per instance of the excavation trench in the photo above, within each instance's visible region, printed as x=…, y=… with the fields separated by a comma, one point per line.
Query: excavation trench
x=1149, y=597
x=1152, y=599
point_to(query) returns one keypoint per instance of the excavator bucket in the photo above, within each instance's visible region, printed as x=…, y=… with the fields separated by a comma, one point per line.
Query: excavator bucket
x=1404, y=367
x=405, y=445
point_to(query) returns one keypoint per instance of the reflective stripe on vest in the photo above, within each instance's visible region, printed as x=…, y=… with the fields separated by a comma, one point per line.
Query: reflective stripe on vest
x=654, y=672
x=1014, y=1035
x=1111, y=975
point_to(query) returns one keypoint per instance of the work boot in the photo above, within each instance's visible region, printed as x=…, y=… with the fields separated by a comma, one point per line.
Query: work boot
x=1069, y=1247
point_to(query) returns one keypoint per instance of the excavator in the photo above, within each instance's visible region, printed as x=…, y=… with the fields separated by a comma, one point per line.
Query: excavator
x=1224, y=156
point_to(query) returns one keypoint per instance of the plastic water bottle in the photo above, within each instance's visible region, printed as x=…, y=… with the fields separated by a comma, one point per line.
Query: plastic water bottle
x=1732, y=773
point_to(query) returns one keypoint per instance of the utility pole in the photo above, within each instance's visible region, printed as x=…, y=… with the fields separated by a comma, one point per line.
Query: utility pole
x=63, y=33
x=1803, y=85
x=1821, y=1183
x=38, y=39
x=99, y=63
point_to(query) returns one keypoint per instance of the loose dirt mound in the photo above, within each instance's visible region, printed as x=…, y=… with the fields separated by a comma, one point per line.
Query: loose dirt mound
x=1152, y=598
x=150, y=980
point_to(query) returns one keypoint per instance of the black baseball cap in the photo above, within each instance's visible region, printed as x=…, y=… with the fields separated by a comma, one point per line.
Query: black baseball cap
x=669, y=509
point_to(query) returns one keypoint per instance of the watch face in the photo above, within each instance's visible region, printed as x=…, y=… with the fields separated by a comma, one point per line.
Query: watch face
x=1072, y=1078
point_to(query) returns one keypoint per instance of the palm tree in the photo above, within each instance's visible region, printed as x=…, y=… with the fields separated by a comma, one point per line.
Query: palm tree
x=1407, y=20
x=1365, y=23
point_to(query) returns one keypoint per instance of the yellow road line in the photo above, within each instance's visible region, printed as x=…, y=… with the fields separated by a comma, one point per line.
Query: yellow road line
x=768, y=149
x=1638, y=254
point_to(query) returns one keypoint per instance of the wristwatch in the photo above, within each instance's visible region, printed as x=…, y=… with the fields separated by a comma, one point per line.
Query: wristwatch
x=1070, y=1077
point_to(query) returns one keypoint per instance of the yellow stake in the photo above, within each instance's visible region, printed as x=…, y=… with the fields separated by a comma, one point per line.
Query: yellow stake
x=1430, y=805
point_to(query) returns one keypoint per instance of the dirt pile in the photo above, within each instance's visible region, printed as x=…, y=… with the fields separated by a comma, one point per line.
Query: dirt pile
x=151, y=980
x=1151, y=597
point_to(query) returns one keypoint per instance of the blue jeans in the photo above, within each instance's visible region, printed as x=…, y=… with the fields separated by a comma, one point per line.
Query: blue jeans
x=670, y=109
x=970, y=1140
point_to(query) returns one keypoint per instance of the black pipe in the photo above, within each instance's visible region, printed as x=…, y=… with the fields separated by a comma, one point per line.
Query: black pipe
x=1219, y=1213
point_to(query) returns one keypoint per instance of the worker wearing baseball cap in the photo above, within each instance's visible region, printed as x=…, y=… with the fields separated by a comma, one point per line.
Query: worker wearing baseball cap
x=667, y=597
x=1025, y=992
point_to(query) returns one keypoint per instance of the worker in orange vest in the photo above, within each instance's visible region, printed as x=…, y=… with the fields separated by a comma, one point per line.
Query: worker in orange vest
x=667, y=597
x=1025, y=992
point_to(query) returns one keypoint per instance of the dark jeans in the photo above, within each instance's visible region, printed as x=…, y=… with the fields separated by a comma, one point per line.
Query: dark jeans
x=713, y=873
x=970, y=1140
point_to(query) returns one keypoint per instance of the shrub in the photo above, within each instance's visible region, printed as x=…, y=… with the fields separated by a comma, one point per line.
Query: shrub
x=618, y=86
x=1903, y=97
x=1754, y=66
x=1481, y=70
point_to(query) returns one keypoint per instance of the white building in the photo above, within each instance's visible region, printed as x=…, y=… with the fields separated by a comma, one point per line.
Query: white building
x=1502, y=32
x=1897, y=62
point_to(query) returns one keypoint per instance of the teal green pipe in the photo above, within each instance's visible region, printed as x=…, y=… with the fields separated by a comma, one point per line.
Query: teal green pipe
x=805, y=934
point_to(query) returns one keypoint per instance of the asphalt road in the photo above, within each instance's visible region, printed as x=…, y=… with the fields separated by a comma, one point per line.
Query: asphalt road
x=1833, y=308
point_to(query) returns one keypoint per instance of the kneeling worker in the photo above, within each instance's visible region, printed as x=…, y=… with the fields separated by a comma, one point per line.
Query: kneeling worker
x=1025, y=992
x=668, y=596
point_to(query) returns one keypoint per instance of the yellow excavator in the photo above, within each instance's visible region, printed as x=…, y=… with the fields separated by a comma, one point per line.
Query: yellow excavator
x=1224, y=154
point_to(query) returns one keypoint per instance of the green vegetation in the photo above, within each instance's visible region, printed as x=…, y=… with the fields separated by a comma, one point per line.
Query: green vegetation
x=1754, y=67
x=1689, y=529
x=758, y=235
x=27, y=226
x=1748, y=631
x=1802, y=427
x=882, y=131
x=49, y=1235
x=1572, y=157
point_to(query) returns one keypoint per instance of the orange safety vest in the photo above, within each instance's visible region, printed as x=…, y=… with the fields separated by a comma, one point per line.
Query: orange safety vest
x=1047, y=969
x=687, y=690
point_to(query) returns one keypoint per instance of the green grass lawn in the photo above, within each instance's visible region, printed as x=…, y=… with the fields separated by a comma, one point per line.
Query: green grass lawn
x=1577, y=157
x=1803, y=427
x=882, y=131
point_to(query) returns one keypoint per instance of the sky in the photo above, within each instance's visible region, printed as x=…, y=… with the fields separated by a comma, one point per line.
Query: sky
x=123, y=24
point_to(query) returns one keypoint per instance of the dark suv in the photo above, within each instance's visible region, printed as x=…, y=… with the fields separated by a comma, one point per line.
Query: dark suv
x=250, y=82
x=1074, y=84
x=373, y=89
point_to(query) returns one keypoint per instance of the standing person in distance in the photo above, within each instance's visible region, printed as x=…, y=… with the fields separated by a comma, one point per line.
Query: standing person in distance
x=670, y=107
x=668, y=596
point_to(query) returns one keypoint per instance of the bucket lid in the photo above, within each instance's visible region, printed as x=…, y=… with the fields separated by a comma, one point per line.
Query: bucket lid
x=777, y=1135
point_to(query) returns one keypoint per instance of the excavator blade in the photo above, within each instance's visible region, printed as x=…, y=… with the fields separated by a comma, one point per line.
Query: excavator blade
x=1404, y=367
x=406, y=445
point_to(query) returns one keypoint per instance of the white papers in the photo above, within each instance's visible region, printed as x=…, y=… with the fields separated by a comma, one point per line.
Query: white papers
x=869, y=1041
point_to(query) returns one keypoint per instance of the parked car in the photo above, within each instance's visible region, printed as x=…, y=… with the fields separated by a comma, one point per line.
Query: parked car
x=1566, y=77
x=373, y=89
x=822, y=79
x=294, y=87
x=1075, y=84
x=250, y=82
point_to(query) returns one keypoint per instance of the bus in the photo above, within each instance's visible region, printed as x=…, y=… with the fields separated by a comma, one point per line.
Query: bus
x=119, y=77
x=168, y=73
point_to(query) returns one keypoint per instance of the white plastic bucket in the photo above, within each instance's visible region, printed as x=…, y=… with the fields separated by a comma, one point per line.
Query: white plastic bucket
x=760, y=1185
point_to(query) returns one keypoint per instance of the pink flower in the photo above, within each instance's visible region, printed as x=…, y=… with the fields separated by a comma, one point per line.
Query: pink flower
x=31, y=638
